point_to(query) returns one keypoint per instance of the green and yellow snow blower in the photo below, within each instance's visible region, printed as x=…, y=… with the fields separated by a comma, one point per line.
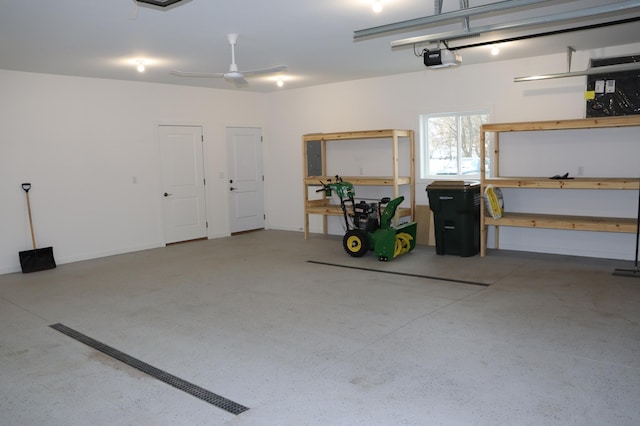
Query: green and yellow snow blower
x=369, y=226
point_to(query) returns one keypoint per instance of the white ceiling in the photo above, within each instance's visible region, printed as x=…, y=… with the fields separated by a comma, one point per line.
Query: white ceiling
x=103, y=38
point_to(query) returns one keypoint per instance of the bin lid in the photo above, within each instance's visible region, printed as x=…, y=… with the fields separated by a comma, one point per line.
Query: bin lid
x=453, y=184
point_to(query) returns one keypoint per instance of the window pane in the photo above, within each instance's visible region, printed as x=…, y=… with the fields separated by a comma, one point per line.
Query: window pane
x=470, y=143
x=452, y=145
x=443, y=145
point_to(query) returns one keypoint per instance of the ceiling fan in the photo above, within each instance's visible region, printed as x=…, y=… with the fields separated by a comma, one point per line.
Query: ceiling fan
x=234, y=75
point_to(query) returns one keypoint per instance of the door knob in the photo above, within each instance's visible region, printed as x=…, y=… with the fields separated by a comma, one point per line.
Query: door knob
x=166, y=194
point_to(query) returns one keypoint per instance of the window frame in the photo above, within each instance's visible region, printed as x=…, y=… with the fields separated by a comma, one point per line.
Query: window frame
x=424, y=174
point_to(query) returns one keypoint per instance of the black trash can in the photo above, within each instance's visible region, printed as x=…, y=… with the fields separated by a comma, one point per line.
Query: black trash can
x=456, y=216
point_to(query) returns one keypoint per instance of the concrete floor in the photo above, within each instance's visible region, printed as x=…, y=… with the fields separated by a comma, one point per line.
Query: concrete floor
x=552, y=341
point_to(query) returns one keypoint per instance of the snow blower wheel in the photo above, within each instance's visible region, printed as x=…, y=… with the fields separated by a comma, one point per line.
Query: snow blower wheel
x=355, y=242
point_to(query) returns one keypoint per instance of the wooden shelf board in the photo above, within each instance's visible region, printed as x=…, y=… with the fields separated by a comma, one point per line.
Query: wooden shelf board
x=330, y=210
x=577, y=183
x=583, y=123
x=336, y=210
x=366, y=134
x=579, y=223
x=359, y=180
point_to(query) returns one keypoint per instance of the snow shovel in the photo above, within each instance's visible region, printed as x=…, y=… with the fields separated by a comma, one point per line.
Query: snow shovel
x=38, y=259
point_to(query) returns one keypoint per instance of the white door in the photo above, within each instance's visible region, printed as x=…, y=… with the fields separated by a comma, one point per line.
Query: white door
x=246, y=185
x=183, y=193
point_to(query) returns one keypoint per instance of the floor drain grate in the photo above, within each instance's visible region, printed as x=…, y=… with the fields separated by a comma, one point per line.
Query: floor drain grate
x=178, y=383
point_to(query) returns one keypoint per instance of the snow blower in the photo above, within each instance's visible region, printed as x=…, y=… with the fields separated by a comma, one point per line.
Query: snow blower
x=369, y=224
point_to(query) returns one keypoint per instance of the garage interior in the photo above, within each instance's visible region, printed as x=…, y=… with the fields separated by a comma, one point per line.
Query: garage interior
x=272, y=322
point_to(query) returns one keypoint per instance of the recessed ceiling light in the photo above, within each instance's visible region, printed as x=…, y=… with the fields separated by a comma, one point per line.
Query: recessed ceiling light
x=140, y=67
x=377, y=6
x=161, y=3
x=495, y=51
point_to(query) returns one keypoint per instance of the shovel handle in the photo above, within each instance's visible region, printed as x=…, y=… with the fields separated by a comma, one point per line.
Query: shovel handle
x=27, y=187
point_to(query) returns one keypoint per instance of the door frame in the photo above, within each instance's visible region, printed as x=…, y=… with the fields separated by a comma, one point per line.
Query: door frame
x=156, y=128
x=228, y=172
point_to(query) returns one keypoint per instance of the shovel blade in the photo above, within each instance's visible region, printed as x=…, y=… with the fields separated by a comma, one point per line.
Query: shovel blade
x=37, y=260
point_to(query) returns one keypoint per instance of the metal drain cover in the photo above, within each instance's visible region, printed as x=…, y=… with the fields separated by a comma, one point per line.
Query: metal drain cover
x=178, y=383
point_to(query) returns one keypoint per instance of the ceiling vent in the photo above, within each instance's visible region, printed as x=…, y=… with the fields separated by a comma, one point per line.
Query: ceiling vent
x=160, y=3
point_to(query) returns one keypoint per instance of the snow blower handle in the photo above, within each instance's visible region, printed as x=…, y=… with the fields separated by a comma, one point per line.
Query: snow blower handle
x=324, y=186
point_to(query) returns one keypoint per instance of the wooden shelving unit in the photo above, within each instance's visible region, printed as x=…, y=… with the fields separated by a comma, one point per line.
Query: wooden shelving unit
x=323, y=206
x=530, y=220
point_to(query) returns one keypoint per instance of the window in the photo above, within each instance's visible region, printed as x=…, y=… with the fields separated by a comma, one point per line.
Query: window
x=450, y=145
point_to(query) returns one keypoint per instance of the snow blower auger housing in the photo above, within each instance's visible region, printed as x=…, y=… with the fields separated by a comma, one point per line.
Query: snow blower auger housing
x=369, y=224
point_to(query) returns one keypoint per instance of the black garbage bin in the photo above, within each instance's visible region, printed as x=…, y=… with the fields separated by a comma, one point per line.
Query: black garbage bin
x=456, y=216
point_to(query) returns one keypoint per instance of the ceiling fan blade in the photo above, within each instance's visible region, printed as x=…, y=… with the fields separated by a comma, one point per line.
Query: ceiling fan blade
x=198, y=74
x=275, y=69
x=233, y=75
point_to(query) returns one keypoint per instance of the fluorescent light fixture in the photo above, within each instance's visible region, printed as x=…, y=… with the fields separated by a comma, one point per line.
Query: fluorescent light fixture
x=160, y=3
x=591, y=71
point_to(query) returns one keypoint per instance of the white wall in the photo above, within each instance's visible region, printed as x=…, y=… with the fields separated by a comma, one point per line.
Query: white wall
x=397, y=101
x=80, y=141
